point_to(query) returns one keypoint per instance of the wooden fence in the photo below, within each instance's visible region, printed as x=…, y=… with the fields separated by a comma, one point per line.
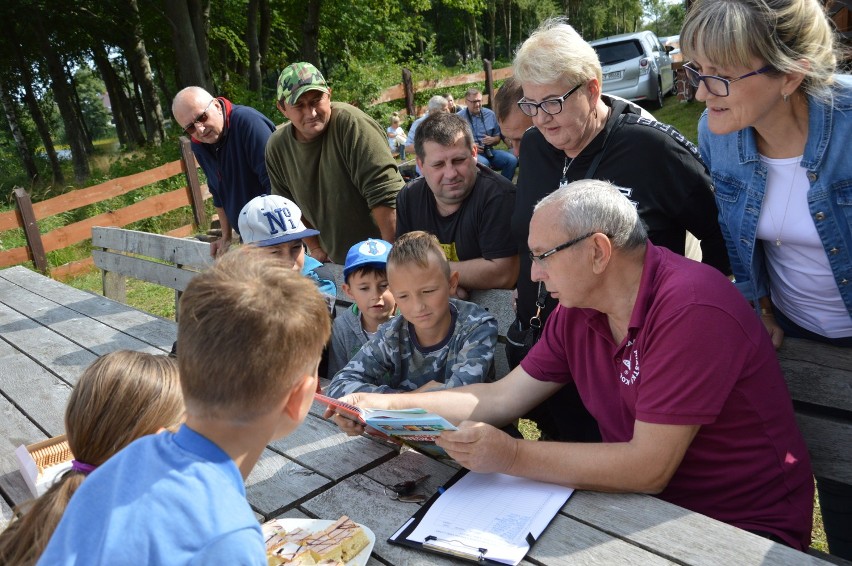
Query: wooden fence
x=407, y=88
x=26, y=214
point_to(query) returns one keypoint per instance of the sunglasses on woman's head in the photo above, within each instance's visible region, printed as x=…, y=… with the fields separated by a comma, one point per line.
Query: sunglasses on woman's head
x=200, y=119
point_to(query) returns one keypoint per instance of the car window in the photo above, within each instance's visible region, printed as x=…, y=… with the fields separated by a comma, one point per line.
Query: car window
x=611, y=53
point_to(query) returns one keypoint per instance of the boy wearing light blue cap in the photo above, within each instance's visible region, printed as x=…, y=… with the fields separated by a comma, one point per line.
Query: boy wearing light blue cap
x=366, y=283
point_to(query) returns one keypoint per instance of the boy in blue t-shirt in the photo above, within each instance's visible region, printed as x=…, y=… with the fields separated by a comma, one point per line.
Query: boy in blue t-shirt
x=438, y=342
x=274, y=224
x=366, y=283
x=250, y=335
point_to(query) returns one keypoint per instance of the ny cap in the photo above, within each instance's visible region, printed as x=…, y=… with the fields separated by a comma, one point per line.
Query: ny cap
x=268, y=220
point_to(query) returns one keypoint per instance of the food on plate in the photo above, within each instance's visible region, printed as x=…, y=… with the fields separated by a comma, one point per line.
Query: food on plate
x=335, y=545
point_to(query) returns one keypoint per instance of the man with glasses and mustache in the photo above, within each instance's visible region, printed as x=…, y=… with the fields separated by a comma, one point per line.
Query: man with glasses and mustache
x=228, y=141
x=333, y=160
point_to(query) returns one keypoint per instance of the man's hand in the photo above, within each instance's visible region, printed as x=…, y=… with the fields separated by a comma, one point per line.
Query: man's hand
x=347, y=423
x=462, y=293
x=490, y=140
x=219, y=247
x=480, y=447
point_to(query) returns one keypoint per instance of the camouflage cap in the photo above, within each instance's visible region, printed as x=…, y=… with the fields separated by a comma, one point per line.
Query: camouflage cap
x=297, y=79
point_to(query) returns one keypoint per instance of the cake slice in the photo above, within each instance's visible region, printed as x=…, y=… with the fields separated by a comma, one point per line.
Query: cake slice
x=342, y=540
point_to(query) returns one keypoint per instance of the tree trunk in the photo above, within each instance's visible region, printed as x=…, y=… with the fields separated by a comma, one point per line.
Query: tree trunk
x=474, y=37
x=507, y=26
x=11, y=110
x=492, y=20
x=263, y=34
x=37, y=115
x=123, y=111
x=253, y=47
x=63, y=97
x=310, y=33
x=137, y=56
x=78, y=110
x=187, y=57
x=199, y=15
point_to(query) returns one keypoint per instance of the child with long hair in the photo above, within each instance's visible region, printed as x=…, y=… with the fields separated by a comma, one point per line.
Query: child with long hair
x=120, y=397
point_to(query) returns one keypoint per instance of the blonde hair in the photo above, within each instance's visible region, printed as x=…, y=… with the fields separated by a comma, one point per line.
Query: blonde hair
x=249, y=328
x=414, y=248
x=555, y=52
x=730, y=33
x=122, y=396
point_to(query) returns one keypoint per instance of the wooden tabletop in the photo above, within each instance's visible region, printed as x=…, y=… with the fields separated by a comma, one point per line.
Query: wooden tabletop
x=49, y=332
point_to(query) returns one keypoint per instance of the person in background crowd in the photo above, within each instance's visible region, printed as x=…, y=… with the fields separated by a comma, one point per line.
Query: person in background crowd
x=436, y=104
x=452, y=107
x=486, y=134
x=333, y=161
x=396, y=137
x=229, y=142
x=776, y=136
x=513, y=122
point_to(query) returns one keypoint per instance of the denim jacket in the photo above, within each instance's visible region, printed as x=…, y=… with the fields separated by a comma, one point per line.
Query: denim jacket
x=739, y=178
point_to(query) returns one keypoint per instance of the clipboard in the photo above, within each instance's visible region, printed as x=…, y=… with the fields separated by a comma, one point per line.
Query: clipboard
x=448, y=546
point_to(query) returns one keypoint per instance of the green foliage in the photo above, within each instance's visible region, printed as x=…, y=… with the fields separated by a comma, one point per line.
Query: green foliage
x=90, y=87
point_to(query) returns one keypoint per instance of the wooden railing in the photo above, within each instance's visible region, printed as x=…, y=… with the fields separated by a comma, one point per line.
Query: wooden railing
x=27, y=214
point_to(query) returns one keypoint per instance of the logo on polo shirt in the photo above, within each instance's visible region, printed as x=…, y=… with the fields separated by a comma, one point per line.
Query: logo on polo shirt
x=630, y=364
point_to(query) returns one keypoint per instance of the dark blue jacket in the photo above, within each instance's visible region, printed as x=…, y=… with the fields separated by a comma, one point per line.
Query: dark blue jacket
x=236, y=166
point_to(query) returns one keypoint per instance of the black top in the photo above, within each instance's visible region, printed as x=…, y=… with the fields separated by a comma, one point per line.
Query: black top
x=479, y=228
x=660, y=170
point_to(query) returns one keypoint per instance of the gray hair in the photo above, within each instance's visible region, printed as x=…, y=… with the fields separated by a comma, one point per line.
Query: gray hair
x=730, y=33
x=555, y=52
x=591, y=205
x=437, y=104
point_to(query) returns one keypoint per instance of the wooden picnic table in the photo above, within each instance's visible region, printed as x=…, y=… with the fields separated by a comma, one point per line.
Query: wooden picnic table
x=49, y=332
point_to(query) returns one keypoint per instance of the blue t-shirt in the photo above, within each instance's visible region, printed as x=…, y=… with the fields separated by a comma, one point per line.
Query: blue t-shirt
x=165, y=499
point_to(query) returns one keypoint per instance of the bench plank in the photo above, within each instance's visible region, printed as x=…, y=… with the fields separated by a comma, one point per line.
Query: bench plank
x=182, y=251
x=816, y=373
x=146, y=270
x=830, y=446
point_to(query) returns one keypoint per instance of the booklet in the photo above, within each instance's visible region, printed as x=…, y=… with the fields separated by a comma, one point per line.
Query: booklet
x=417, y=428
x=485, y=518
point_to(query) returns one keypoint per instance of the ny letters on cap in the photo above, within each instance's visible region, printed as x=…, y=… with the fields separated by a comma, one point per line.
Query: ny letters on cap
x=268, y=220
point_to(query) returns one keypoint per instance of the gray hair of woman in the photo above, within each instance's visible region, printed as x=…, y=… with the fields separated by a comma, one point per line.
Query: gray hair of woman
x=591, y=205
x=554, y=53
x=793, y=36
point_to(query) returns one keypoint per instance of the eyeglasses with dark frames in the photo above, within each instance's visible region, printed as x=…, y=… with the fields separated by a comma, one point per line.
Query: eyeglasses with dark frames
x=550, y=106
x=539, y=259
x=715, y=85
x=200, y=119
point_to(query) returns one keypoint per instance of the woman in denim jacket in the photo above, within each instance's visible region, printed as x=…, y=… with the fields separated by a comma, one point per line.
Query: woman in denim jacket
x=776, y=137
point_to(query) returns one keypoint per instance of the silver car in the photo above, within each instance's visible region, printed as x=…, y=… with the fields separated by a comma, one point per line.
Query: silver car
x=636, y=66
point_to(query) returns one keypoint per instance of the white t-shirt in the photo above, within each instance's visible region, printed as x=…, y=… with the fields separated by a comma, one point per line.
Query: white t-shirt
x=801, y=283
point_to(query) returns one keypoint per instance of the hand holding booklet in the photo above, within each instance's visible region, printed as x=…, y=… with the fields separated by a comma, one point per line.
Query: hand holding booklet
x=416, y=427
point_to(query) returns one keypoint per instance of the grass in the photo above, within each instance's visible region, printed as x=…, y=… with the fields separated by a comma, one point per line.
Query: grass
x=682, y=115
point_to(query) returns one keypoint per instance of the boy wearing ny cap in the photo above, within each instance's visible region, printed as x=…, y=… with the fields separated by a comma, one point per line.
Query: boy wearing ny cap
x=274, y=225
x=366, y=283
x=334, y=161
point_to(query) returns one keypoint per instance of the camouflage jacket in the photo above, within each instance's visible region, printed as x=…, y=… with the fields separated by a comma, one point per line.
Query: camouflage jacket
x=392, y=363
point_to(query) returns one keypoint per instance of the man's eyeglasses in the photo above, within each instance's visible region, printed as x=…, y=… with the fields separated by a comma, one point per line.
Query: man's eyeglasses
x=477, y=101
x=539, y=259
x=718, y=86
x=550, y=106
x=200, y=119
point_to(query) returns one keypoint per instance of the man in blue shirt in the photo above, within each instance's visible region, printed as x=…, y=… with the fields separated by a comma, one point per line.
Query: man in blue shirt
x=486, y=133
x=229, y=142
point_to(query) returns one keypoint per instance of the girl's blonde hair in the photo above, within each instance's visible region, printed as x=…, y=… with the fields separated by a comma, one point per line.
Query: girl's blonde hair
x=120, y=397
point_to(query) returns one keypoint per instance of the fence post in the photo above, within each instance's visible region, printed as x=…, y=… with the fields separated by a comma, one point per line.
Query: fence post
x=408, y=87
x=193, y=186
x=489, y=81
x=27, y=220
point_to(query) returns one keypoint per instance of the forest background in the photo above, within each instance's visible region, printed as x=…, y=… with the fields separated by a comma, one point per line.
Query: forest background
x=59, y=59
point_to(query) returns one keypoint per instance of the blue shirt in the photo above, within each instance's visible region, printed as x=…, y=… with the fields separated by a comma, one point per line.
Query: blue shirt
x=165, y=499
x=483, y=124
x=235, y=166
x=740, y=184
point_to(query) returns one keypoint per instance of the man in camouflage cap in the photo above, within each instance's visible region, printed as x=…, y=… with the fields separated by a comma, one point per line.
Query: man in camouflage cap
x=333, y=161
